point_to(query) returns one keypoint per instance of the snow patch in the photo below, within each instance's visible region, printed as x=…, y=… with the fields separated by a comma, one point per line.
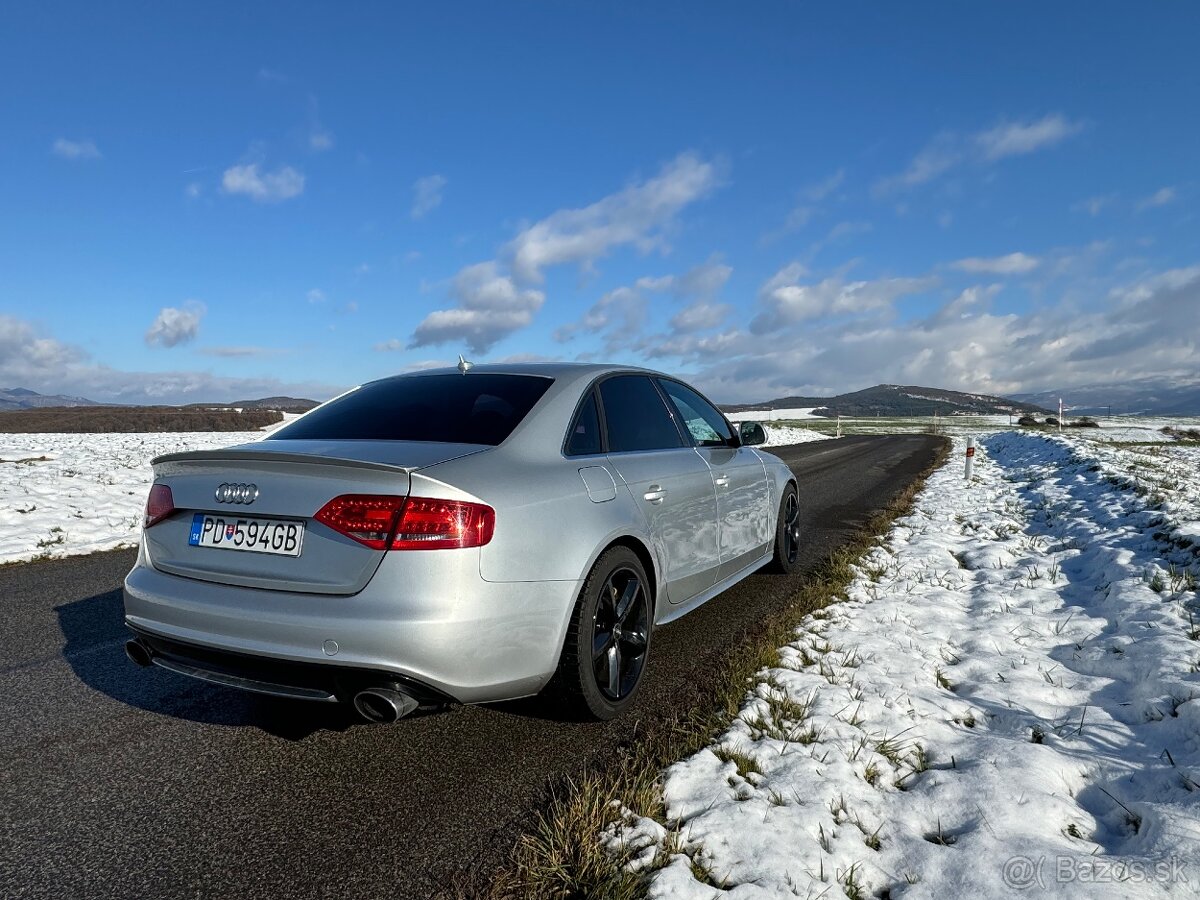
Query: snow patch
x=1007, y=699
x=65, y=494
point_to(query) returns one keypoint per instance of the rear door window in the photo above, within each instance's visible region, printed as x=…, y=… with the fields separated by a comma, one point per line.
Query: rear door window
x=635, y=416
x=703, y=421
x=476, y=408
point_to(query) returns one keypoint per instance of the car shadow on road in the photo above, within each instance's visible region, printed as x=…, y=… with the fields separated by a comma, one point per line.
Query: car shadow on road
x=95, y=650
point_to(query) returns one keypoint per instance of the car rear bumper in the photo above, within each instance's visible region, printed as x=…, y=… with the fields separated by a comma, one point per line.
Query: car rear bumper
x=475, y=643
x=279, y=678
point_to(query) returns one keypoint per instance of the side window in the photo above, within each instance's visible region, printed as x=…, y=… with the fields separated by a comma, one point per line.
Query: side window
x=635, y=415
x=585, y=430
x=706, y=425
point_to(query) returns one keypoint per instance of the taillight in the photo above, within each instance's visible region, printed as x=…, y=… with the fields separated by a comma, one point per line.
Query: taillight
x=418, y=523
x=429, y=524
x=159, y=505
x=367, y=518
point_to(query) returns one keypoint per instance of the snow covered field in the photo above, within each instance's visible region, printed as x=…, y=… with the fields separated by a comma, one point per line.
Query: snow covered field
x=1007, y=703
x=63, y=494
x=775, y=415
x=782, y=435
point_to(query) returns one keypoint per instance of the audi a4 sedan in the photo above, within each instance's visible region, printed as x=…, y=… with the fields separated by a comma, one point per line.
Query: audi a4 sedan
x=465, y=535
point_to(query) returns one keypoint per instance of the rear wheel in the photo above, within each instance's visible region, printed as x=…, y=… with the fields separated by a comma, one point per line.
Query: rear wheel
x=608, y=641
x=787, y=533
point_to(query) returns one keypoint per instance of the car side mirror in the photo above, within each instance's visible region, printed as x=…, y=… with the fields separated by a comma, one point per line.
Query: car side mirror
x=752, y=434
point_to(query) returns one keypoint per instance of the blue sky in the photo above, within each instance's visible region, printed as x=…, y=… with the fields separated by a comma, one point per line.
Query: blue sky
x=227, y=200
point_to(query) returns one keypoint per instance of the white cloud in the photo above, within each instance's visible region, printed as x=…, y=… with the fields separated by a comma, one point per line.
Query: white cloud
x=1161, y=197
x=702, y=281
x=74, y=149
x=1012, y=264
x=490, y=307
x=949, y=149
x=320, y=138
x=391, y=345
x=25, y=355
x=1145, y=327
x=31, y=359
x=699, y=316
x=493, y=301
x=806, y=208
x=822, y=189
x=785, y=301
x=316, y=295
x=239, y=352
x=263, y=187
x=193, y=190
x=1093, y=206
x=799, y=216
x=427, y=195
x=619, y=314
x=1019, y=138
x=939, y=156
x=638, y=215
x=173, y=325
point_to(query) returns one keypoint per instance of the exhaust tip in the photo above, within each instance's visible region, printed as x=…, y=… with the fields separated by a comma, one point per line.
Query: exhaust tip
x=138, y=652
x=383, y=705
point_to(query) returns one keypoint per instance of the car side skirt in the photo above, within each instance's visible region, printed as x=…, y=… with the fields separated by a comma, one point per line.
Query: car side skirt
x=671, y=613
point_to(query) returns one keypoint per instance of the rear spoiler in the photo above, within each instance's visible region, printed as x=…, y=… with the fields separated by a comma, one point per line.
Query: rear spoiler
x=202, y=456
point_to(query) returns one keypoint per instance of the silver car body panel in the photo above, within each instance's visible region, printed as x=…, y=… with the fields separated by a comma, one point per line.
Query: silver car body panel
x=673, y=491
x=476, y=624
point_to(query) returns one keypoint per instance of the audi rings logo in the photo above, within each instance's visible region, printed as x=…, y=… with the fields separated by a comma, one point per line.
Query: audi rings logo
x=237, y=493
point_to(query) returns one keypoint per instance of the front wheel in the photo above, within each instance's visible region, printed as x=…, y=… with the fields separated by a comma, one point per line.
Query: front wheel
x=787, y=533
x=608, y=641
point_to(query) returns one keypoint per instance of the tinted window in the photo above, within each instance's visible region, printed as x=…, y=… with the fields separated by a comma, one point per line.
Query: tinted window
x=635, y=415
x=585, y=430
x=459, y=409
x=703, y=421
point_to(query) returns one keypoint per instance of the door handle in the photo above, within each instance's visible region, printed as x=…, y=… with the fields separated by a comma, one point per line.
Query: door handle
x=655, y=494
x=721, y=480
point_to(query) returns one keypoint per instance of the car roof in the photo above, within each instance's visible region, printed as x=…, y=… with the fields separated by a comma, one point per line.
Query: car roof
x=560, y=371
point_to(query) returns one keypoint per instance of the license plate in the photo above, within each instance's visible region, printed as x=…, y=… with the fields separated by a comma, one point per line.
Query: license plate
x=278, y=536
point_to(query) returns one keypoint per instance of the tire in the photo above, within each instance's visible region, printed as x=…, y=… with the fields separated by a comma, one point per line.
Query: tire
x=601, y=632
x=787, y=533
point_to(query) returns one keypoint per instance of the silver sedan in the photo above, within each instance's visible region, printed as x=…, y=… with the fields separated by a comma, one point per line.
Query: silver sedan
x=457, y=535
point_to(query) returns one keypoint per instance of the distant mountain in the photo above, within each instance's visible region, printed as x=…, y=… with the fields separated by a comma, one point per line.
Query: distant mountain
x=1141, y=396
x=23, y=398
x=899, y=400
x=282, y=404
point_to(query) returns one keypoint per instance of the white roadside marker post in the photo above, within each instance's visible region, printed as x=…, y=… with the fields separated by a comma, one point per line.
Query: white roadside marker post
x=970, y=458
x=1060, y=415
x=839, y=431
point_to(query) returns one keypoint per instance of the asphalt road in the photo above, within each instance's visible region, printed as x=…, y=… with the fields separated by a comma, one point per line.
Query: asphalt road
x=120, y=782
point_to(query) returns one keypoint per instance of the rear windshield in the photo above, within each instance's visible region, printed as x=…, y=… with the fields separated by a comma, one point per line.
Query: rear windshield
x=449, y=409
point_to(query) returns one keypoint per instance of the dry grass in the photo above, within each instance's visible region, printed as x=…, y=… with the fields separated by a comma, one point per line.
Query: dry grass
x=560, y=856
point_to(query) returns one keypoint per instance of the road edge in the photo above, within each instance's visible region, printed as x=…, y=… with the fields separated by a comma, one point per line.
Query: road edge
x=560, y=854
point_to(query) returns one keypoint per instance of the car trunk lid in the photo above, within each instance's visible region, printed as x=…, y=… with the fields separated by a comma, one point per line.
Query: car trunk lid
x=292, y=480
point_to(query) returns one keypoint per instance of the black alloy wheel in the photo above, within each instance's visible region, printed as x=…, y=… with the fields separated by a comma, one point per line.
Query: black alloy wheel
x=607, y=647
x=620, y=637
x=787, y=533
